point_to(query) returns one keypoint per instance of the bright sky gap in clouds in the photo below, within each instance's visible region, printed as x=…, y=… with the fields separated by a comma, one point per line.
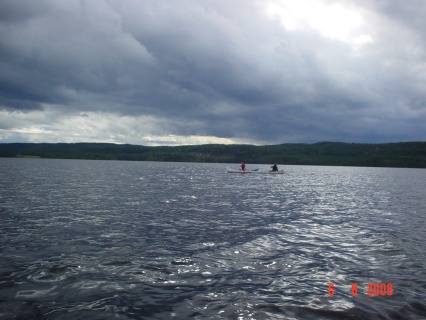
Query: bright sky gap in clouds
x=194, y=72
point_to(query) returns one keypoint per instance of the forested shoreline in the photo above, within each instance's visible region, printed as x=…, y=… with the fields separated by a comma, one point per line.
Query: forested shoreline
x=401, y=154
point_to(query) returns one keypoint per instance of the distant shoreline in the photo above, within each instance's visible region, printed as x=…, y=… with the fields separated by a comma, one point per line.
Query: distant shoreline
x=398, y=154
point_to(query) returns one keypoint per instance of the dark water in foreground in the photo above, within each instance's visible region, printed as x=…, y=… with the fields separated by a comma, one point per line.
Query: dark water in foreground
x=140, y=240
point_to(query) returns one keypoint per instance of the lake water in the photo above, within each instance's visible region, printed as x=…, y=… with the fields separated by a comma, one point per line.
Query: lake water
x=149, y=240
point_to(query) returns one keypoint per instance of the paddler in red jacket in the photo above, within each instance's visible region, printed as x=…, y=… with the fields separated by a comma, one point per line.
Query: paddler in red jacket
x=243, y=166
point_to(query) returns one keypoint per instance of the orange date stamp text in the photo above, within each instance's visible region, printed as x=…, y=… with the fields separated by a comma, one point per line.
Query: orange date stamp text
x=371, y=290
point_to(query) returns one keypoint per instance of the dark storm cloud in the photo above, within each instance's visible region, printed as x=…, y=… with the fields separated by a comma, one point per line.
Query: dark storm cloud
x=219, y=68
x=15, y=12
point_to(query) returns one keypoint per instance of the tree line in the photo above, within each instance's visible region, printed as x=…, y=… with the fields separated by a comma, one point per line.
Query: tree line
x=402, y=154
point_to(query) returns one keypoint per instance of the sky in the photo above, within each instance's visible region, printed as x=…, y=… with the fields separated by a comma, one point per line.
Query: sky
x=212, y=71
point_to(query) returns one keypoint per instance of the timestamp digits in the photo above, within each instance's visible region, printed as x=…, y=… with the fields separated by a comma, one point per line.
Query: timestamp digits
x=371, y=290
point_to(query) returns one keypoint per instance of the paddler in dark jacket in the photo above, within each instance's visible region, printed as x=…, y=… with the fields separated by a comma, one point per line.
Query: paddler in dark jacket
x=274, y=167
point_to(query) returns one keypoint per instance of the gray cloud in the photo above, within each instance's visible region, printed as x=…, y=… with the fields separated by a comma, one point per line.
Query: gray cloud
x=214, y=68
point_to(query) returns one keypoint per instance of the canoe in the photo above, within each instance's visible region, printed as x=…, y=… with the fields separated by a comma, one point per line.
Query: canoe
x=229, y=170
x=240, y=171
x=270, y=172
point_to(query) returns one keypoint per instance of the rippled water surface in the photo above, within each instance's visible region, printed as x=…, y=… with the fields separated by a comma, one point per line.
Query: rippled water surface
x=144, y=240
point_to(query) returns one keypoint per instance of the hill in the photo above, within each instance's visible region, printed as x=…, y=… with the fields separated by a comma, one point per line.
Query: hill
x=402, y=154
